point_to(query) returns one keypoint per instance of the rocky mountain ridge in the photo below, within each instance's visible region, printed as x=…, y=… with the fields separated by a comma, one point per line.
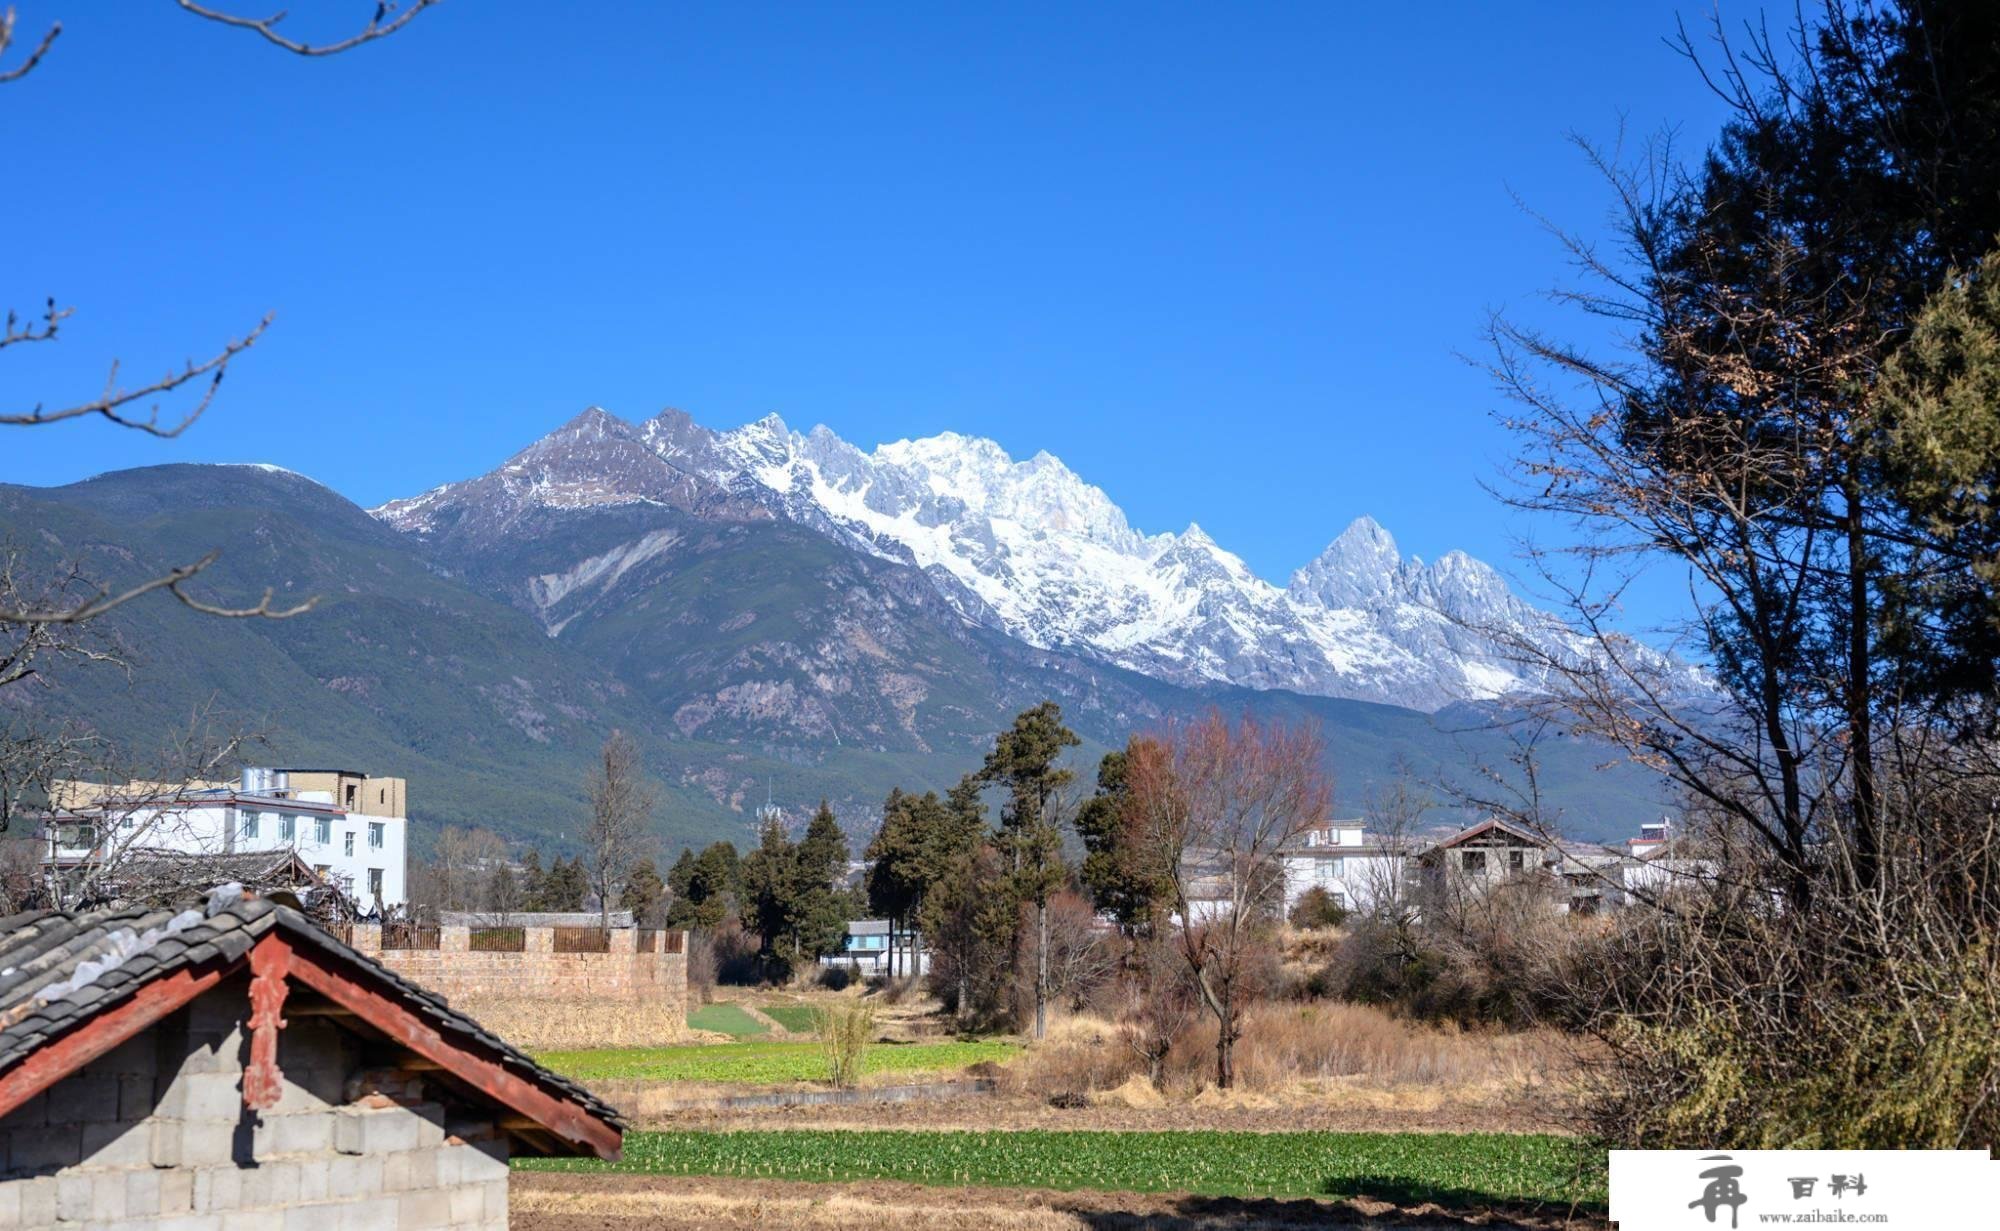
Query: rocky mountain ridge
x=1031, y=549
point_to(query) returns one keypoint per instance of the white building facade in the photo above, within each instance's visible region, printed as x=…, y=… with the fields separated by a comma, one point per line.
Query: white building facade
x=1359, y=870
x=362, y=853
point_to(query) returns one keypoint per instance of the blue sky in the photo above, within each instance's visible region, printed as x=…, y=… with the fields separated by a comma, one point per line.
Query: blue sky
x=1225, y=261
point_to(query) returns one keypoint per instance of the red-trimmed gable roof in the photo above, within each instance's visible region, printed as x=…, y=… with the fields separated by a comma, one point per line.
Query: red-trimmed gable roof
x=72, y=987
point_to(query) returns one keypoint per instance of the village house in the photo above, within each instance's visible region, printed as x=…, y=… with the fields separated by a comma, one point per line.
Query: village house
x=869, y=948
x=1581, y=877
x=231, y=1064
x=1366, y=872
x=1361, y=872
x=349, y=828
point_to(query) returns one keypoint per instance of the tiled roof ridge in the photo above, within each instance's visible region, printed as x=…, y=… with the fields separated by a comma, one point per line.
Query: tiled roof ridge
x=51, y=943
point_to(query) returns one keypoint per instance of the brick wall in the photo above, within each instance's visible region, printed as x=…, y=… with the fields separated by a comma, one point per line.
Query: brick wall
x=623, y=974
x=154, y=1135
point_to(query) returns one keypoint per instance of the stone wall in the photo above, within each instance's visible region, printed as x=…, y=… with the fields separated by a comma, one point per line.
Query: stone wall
x=656, y=979
x=154, y=1135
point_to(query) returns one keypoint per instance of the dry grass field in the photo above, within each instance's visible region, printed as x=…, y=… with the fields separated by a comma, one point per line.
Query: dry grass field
x=1352, y=1063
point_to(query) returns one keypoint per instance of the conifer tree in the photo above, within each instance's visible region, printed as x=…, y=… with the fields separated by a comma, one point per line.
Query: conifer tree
x=770, y=888
x=819, y=908
x=1120, y=870
x=644, y=894
x=1024, y=762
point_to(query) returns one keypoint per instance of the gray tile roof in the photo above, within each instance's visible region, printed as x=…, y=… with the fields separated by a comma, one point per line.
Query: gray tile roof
x=58, y=970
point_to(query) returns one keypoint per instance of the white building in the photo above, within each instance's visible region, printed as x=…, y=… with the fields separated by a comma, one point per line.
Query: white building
x=1661, y=861
x=1361, y=871
x=867, y=950
x=350, y=828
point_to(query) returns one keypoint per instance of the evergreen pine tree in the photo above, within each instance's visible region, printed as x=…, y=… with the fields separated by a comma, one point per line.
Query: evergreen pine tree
x=644, y=894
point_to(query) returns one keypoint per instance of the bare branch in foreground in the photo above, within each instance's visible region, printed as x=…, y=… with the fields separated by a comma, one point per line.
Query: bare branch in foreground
x=112, y=403
x=52, y=317
x=34, y=57
x=172, y=580
x=381, y=25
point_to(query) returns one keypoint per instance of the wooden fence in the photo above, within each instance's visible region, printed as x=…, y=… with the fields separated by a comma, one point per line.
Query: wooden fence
x=409, y=936
x=497, y=940
x=581, y=940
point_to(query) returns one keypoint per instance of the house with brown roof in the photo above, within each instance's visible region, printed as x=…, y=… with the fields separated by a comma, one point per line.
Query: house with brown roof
x=1579, y=877
x=231, y=1064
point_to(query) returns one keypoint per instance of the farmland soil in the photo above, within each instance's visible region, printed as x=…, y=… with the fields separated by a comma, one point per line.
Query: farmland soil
x=549, y=1201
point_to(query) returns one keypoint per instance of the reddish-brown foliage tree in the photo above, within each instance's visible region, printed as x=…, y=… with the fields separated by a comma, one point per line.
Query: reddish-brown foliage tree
x=1217, y=802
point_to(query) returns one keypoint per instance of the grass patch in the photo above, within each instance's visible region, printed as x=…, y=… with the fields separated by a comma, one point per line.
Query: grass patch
x=724, y=1018
x=764, y=1063
x=797, y=1018
x=1457, y=1170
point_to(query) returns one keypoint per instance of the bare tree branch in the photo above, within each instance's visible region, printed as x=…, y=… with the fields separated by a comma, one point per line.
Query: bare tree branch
x=34, y=57
x=112, y=403
x=174, y=581
x=385, y=22
x=52, y=316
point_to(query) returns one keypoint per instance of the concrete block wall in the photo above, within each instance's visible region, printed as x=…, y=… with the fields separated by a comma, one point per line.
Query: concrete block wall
x=154, y=1135
x=456, y=972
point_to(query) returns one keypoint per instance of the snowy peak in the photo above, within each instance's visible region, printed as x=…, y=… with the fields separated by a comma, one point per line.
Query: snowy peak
x=1031, y=548
x=594, y=460
x=1359, y=567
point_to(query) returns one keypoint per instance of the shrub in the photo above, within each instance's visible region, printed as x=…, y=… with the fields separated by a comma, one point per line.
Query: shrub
x=1735, y=1025
x=844, y=1030
x=735, y=949
x=1316, y=908
x=893, y=990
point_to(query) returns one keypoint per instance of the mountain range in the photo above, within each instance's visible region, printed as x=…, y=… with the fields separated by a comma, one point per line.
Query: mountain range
x=1027, y=548
x=769, y=613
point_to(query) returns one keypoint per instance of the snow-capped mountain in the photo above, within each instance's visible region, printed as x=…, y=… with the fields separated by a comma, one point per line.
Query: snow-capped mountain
x=1030, y=548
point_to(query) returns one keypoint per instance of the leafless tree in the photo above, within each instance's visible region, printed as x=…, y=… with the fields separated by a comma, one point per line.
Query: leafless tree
x=22, y=885
x=1160, y=1003
x=1219, y=802
x=619, y=830
x=147, y=406
x=456, y=875
x=1083, y=956
x=110, y=810
x=1393, y=818
x=46, y=609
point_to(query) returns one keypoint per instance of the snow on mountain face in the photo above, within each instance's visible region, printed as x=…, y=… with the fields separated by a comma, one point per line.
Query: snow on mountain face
x=1030, y=548
x=595, y=459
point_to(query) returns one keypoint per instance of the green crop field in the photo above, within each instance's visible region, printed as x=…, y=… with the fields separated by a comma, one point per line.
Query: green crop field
x=759, y=1063
x=1453, y=1169
x=797, y=1018
x=726, y=1019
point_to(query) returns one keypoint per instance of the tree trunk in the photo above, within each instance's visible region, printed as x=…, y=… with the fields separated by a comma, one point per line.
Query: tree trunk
x=1041, y=967
x=1225, y=1054
x=1860, y=667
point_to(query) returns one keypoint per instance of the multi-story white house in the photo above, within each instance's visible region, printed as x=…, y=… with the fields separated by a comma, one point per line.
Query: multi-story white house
x=1361, y=871
x=349, y=827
